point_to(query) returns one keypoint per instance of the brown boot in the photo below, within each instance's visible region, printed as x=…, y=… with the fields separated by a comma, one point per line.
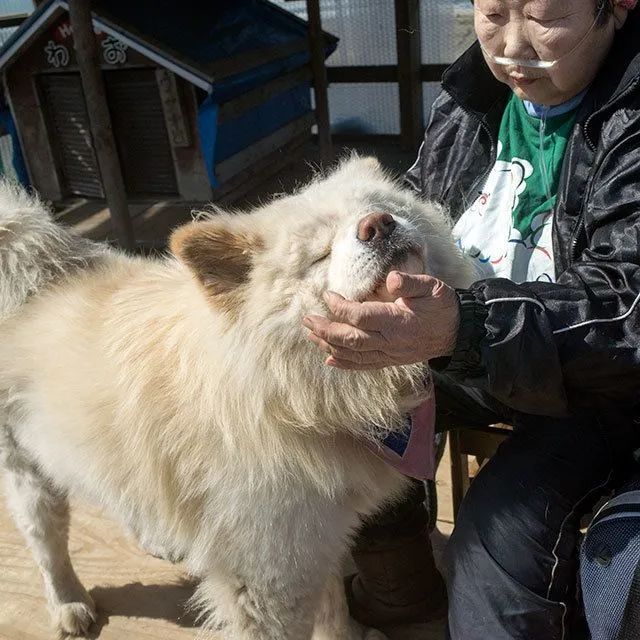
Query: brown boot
x=397, y=580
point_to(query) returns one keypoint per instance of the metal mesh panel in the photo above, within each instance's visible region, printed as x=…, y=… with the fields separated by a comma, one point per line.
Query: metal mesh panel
x=367, y=32
x=298, y=7
x=430, y=91
x=366, y=29
x=5, y=34
x=364, y=108
x=6, y=155
x=12, y=7
x=446, y=29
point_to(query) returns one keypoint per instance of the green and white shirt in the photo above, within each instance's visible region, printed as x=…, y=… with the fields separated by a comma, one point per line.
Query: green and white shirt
x=507, y=230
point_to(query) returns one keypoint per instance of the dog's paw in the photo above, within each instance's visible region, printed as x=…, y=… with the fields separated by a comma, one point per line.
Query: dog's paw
x=74, y=618
x=161, y=552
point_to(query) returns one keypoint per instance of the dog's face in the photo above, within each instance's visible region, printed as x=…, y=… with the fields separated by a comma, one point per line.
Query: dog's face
x=262, y=271
x=344, y=233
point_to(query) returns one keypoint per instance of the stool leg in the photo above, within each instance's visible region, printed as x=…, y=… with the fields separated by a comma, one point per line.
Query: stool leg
x=459, y=470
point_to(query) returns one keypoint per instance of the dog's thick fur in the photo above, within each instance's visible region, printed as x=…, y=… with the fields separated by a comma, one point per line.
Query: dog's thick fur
x=182, y=395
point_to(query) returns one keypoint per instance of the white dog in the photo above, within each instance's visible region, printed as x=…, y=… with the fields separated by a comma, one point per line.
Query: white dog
x=182, y=395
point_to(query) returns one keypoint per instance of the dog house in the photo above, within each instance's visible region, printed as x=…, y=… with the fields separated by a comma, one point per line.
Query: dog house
x=201, y=95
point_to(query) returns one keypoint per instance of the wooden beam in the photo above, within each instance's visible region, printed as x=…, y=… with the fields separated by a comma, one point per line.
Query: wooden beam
x=320, y=84
x=381, y=73
x=96, y=98
x=482, y=442
x=459, y=471
x=13, y=20
x=432, y=72
x=409, y=80
x=363, y=73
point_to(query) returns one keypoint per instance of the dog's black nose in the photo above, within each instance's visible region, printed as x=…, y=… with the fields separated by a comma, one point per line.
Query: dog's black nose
x=376, y=226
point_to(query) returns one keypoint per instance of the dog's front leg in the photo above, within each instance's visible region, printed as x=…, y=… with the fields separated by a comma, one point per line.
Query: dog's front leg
x=241, y=609
x=42, y=514
x=333, y=621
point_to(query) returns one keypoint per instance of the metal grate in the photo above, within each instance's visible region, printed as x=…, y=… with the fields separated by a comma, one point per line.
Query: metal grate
x=6, y=158
x=365, y=109
x=70, y=134
x=6, y=33
x=141, y=132
x=446, y=30
x=13, y=7
x=366, y=29
x=430, y=91
x=367, y=38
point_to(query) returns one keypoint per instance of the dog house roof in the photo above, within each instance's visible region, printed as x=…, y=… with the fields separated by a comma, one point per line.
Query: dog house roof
x=202, y=41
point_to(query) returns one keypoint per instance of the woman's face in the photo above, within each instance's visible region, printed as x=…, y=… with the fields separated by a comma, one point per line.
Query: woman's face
x=545, y=30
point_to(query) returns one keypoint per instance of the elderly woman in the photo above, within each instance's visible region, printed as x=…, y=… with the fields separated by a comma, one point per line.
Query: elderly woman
x=534, y=145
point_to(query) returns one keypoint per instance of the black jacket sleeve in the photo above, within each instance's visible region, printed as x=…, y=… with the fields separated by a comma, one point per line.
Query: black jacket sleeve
x=554, y=348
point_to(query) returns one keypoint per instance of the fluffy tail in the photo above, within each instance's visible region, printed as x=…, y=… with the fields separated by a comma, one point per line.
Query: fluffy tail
x=34, y=250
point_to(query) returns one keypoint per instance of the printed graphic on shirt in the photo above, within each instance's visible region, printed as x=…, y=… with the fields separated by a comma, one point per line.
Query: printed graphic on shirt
x=503, y=244
x=508, y=228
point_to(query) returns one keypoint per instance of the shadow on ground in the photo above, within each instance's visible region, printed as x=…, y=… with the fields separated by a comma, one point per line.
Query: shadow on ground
x=137, y=600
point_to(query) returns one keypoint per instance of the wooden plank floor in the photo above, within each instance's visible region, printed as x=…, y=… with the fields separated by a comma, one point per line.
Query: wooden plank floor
x=139, y=597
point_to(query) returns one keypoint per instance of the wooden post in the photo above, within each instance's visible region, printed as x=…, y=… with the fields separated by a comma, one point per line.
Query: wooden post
x=409, y=67
x=459, y=470
x=320, y=84
x=96, y=99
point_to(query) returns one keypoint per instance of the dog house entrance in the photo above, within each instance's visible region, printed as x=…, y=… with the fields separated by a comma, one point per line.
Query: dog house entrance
x=139, y=129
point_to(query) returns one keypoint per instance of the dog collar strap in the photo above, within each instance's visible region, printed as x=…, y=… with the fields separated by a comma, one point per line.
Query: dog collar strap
x=412, y=451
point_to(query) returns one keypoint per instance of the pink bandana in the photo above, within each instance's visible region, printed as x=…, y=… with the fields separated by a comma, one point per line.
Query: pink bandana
x=412, y=451
x=627, y=4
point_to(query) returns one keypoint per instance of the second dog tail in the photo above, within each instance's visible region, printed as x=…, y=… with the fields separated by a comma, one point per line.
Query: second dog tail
x=34, y=250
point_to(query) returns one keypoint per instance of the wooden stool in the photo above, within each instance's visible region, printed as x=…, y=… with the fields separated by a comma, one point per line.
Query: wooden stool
x=482, y=443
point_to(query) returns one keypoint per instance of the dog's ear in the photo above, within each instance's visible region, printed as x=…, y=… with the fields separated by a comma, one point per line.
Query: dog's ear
x=367, y=164
x=371, y=163
x=220, y=255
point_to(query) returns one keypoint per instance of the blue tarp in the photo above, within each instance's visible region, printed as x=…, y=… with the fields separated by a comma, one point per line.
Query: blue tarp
x=8, y=127
x=221, y=142
x=213, y=31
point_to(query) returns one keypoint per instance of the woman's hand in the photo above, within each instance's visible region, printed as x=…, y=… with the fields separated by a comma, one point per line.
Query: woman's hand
x=421, y=324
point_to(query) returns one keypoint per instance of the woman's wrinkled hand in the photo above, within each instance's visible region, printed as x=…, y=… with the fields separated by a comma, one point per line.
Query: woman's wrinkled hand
x=419, y=325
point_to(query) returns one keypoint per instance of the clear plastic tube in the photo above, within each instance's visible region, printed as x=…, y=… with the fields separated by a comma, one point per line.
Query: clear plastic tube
x=521, y=62
x=544, y=171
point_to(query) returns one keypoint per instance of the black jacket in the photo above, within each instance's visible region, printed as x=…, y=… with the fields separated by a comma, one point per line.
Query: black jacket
x=541, y=348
